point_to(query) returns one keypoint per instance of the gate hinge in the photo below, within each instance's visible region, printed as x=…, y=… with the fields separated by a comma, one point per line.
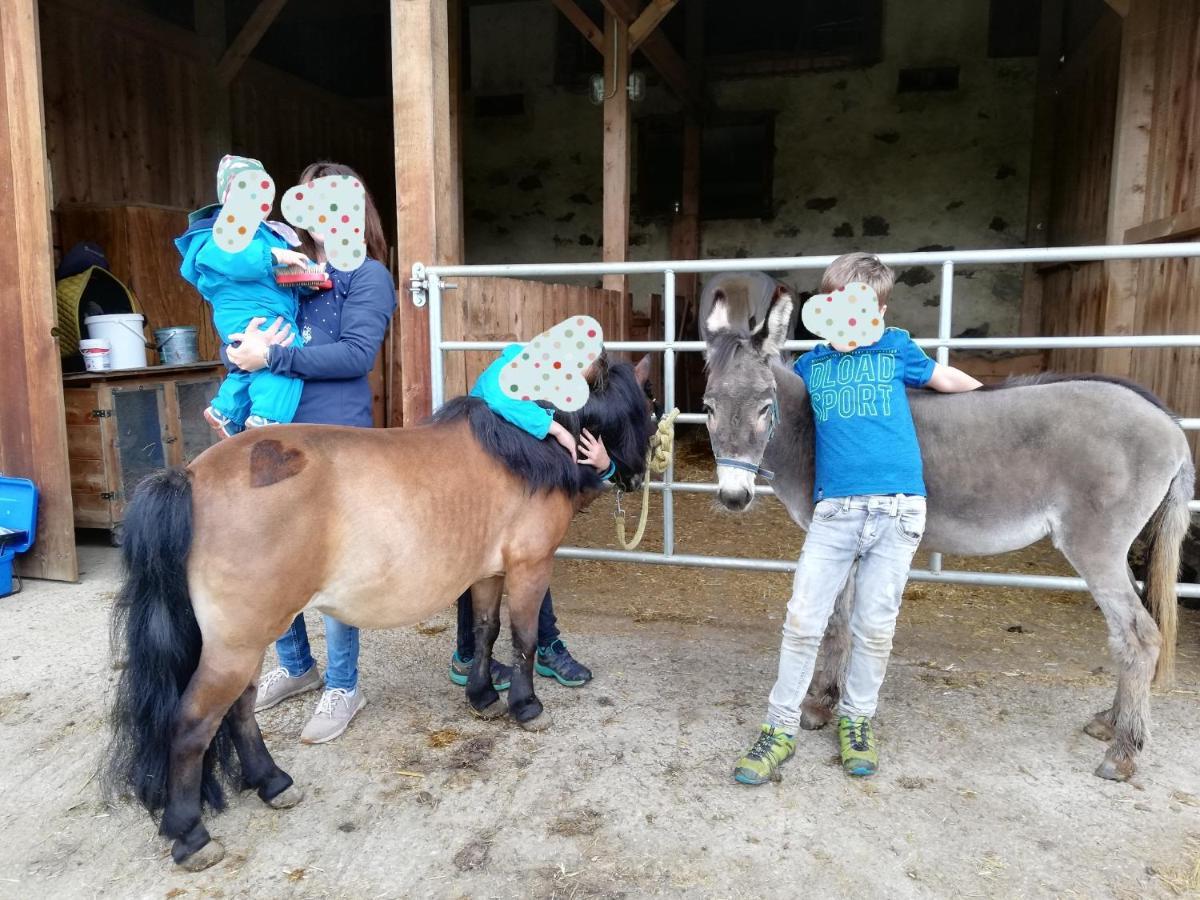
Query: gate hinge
x=102, y=413
x=108, y=495
x=418, y=285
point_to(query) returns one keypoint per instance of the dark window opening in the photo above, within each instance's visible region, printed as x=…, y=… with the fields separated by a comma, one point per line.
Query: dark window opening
x=928, y=78
x=1014, y=28
x=737, y=166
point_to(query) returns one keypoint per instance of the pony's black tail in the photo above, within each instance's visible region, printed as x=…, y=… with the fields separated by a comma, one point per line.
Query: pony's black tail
x=156, y=641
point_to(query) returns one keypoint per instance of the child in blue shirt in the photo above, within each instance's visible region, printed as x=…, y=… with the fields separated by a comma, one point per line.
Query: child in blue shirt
x=553, y=659
x=240, y=287
x=869, y=492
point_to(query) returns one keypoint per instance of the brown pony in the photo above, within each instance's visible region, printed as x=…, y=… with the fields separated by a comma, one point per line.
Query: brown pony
x=379, y=528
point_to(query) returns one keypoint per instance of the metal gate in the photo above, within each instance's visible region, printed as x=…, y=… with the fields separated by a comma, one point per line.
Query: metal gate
x=428, y=285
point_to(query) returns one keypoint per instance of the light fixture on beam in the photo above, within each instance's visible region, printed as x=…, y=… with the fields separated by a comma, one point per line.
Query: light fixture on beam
x=635, y=87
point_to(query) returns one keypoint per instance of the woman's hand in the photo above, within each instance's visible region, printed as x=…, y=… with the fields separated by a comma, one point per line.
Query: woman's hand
x=592, y=452
x=250, y=354
x=563, y=436
x=286, y=257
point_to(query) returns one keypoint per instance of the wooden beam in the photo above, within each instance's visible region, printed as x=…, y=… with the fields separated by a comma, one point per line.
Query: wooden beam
x=660, y=53
x=1120, y=7
x=1181, y=225
x=583, y=22
x=243, y=45
x=616, y=147
x=650, y=18
x=428, y=189
x=33, y=426
x=1127, y=184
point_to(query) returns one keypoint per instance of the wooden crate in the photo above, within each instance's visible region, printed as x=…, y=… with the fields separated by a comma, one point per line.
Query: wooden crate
x=122, y=426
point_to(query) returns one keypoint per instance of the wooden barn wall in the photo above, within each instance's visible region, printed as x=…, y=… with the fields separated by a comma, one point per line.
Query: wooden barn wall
x=505, y=309
x=1168, y=290
x=288, y=124
x=124, y=104
x=1073, y=296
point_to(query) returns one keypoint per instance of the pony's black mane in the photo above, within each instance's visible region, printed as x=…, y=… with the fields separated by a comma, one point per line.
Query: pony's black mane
x=1056, y=377
x=612, y=411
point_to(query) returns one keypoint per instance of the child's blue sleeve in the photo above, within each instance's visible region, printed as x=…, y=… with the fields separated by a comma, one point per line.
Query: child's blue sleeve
x=252, y=264
x=916, y=367
x=525, y=414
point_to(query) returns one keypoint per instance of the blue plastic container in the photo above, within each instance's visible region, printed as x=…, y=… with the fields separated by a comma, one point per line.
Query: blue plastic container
x=18, y=512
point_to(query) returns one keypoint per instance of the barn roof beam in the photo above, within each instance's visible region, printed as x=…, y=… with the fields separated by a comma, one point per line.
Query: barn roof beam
x=642, y=27
x=243, y=45
x=661, y=54
x=583, y=22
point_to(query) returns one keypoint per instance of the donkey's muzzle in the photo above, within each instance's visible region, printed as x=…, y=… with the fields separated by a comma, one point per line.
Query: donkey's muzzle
x=735, y=499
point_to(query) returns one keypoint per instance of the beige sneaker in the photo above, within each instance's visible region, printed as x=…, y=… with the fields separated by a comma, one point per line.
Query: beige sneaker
x=277, y=685
x=333, y=715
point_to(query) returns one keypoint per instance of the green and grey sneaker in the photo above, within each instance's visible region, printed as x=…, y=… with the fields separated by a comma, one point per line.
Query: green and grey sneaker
x=857, y=743
x=761, y=764
x=460, y=673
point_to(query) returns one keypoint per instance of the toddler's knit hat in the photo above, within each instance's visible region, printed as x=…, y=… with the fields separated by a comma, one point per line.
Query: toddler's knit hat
x=229, y=166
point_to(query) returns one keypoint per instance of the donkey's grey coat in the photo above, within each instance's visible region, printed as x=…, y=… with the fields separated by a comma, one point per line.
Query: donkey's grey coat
x=1087, y=462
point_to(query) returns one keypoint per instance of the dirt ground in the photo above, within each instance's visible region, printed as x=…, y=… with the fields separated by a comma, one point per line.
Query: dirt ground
x=986, y=788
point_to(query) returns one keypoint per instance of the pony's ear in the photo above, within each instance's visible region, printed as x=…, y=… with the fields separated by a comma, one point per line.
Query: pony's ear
x=771, y=336
x=642, y=370
x=718, y=316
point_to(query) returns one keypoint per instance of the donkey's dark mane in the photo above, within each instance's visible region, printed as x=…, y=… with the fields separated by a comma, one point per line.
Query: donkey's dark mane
x=543, y=464
x=1056, y=377
x=723, y=347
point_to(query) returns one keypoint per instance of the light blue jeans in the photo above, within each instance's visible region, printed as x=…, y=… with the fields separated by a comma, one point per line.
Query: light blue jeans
x=881, y=533
x=341, y=646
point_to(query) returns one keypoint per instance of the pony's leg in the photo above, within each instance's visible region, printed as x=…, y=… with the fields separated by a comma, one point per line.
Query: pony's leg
x=1134, y=641
x=259, y=772
x=485, y=602
x=220, y=679
x=819, y=706
x=527, y=585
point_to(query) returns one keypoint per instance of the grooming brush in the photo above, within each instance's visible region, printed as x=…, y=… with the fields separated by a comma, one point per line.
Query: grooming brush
x=310, y=275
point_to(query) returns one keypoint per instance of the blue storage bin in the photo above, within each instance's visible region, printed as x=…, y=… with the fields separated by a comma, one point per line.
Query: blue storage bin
x=18, y=513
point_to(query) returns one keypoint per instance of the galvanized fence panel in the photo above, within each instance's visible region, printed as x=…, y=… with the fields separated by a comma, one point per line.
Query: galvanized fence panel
x=428, y=285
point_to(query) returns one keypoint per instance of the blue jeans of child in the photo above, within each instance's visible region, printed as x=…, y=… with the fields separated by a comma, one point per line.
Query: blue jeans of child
x=341, y=645
x=547, y=625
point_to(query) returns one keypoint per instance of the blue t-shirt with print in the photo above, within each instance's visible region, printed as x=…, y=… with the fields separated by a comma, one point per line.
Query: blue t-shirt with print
x=866, y=442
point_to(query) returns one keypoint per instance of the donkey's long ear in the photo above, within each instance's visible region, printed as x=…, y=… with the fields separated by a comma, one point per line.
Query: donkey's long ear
x=718, y=316
x=771, y=335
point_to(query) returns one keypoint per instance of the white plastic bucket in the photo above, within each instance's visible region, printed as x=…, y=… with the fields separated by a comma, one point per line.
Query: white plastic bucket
x=123, y=331
x=97, y=356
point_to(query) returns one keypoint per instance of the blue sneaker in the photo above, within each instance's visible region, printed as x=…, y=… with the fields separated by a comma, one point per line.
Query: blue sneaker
x=221, y=423
x=557, y=662
x=460, y=672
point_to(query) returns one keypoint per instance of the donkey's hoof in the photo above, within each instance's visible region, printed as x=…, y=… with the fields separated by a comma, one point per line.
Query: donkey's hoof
x=286, y=798
x=1101, y=729
x=539, y=722
x=208, y=855
x=1115, y=768
x=813, y=716
x=493, y=710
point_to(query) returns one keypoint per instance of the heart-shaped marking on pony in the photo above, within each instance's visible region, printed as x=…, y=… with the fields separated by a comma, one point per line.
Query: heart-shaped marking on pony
x=333, y=206
x=247, y=203
x=848, y=317
x=551, y=366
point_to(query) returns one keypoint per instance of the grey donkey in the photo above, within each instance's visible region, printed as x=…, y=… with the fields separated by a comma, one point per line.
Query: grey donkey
x=1087, y=460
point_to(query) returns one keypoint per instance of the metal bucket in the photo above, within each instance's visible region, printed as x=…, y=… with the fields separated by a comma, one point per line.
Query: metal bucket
x=177, y=345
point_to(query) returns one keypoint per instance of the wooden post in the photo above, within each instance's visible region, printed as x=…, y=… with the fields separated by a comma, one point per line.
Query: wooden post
x=428, y=188
x=616, y=147
x=685, y=229
x=1127, y=191
x=33, y=428
x=1041, y=167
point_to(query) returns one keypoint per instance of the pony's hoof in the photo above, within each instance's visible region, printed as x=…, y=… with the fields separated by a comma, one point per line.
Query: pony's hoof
x=493, y=710
x=208, y=855
x=287, y=798
x=1115, y=769
x=1101, y=729
x=540, y=722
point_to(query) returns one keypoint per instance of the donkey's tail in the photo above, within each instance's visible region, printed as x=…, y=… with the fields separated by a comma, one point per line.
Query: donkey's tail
x=1167, y=530
x=157, y=641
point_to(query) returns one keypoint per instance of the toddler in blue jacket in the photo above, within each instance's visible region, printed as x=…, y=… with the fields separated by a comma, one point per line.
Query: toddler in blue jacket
x=240, y=287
